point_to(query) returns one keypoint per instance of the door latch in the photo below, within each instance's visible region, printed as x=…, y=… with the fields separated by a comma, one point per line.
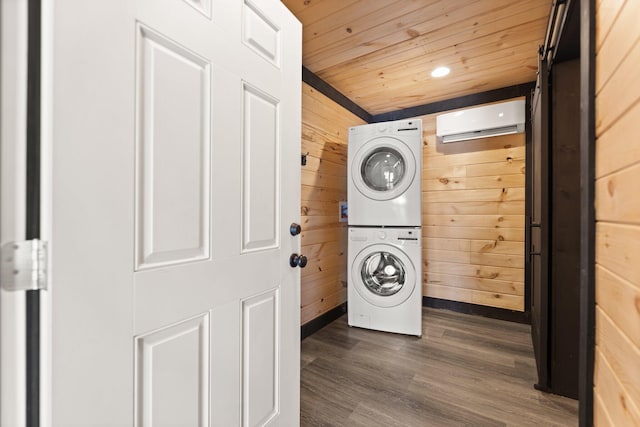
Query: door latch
x=296, y=260
x=23, y=266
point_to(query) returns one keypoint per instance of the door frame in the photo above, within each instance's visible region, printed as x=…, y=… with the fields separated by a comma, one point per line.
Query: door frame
x=33, y=217
x=22, y=181
x=587, y=303
x=588, y=214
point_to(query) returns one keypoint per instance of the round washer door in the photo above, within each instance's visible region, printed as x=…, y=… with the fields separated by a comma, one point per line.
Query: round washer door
x=383, y=275
x=383, y=168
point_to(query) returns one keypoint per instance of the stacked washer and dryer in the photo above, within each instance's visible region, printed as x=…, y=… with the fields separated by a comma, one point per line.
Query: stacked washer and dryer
x=385, y=217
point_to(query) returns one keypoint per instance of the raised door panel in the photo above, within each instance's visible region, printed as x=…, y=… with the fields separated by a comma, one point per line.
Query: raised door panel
x=173, y=144
x=172, y=375
x=261, y=171
x=260, y=359
x=260, y=33
x=202, y=6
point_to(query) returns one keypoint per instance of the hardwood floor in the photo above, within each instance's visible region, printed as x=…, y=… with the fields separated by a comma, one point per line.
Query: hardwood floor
x=465, y=370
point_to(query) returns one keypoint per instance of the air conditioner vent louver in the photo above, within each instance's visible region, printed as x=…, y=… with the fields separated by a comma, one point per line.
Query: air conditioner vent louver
x=481, y=122
x=505, y=130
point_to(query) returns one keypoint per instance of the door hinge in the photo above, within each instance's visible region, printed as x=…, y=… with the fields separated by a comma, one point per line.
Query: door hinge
x=24, y=265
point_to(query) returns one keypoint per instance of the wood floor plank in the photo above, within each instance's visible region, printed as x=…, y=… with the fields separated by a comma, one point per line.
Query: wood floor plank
x=465, y=370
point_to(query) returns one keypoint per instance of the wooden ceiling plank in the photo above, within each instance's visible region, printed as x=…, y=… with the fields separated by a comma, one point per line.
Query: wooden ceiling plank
x=296, y=6
x=383, y=62
x=395, y=30
x=315, y=10
x=361, y=17
x=441, y=38
x=438, y=40
x=401, y=101
x=474, y=68
x=484, y=48
x=451, y=42
x=463, y=17
x=423, y=79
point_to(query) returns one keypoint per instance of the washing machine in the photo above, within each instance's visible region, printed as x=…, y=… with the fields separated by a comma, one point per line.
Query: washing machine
x=384, y=286
x=384, y=169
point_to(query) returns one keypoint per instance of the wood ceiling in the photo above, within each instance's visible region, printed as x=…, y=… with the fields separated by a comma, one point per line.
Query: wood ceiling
x=380, y=53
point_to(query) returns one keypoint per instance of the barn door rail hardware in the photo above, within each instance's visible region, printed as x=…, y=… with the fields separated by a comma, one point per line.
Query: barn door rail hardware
x=24, y=265
x=555, y=27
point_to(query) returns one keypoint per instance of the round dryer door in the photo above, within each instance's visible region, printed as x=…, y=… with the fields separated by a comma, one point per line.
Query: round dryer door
x=383, y=275
x=383, y=168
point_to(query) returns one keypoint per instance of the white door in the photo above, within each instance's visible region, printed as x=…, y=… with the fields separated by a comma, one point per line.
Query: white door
x=173, y=131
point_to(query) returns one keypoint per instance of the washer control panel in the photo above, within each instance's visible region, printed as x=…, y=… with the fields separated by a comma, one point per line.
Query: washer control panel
x=397, y=127
x=399, y=236
x=409, y=237
x=408, y=234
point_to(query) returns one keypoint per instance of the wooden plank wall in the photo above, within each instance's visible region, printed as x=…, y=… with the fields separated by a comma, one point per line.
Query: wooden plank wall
x=325, y=127
x=617, y=364
x=473, y=219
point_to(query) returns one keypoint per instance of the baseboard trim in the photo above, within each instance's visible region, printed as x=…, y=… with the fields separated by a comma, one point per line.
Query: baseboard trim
x=479, y=310
x=313, y=326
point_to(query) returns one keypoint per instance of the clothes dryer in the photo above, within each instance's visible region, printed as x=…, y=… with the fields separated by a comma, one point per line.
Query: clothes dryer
x=385, y=279
x=384, y=174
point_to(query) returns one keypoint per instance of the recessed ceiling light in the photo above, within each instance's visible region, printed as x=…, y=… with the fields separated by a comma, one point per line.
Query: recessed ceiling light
x=440, y=72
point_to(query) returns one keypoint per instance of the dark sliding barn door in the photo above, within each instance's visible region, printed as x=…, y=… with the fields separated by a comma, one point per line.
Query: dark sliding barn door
x=553, y=227
x=554, y=221
x=537, y=225
x=564, y=271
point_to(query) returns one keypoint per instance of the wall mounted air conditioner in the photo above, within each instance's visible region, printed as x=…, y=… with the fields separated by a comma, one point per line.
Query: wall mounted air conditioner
x=481, y=122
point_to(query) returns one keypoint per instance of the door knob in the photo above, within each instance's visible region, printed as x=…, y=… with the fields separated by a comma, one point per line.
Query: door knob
x=296, y=260
x=295, y=229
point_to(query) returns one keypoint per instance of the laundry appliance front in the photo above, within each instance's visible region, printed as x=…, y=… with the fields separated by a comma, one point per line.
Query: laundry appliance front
x=384, y=174
x=384, y=287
